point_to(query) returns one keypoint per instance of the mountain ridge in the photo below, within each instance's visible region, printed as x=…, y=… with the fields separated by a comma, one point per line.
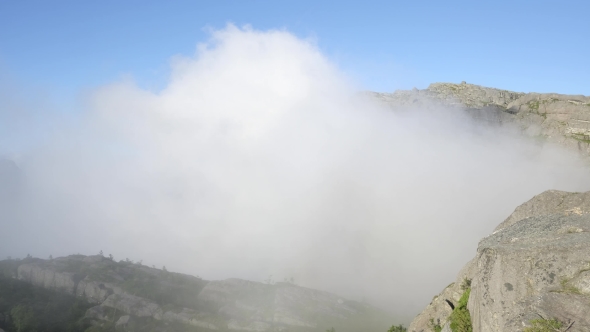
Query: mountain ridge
x=557, y=118
x=123, y=292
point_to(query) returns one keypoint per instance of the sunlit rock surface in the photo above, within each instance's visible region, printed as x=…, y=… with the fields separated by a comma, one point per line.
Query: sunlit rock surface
x=536, y=264
x=552, y=117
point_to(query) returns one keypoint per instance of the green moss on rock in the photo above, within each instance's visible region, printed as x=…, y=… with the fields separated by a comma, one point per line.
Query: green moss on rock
x=460, y=319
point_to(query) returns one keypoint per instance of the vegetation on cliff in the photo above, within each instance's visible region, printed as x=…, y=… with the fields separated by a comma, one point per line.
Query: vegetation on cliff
x=460, y=319
x=544, y=325
x=26, y=308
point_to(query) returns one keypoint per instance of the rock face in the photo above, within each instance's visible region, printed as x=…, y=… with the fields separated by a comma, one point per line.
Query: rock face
x=536, y=264
x=129, y=295
x=438, y=311
x=563, y=119
x=550, y=202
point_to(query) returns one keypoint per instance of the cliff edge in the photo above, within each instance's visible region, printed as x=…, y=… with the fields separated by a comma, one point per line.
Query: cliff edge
x=557, y=118
x=534, y=269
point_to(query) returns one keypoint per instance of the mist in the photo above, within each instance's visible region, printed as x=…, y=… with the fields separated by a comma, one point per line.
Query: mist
x=260, y=158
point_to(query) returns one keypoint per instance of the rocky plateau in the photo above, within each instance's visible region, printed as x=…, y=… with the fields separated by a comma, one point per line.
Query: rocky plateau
x=551, y=117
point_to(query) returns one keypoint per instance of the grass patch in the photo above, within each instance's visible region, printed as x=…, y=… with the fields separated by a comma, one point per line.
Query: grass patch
x=435, y=326
x=581, y=138
x=398, y=328
x=533, y=105
x=460, y=318
x=567, y=288
x=544, y=325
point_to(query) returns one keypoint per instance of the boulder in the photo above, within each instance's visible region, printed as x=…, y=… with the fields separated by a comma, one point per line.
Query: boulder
x=531, y=269
x=94, y=291
x=536, y=265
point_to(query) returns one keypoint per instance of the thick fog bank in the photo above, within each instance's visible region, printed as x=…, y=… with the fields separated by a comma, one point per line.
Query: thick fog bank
x=260, y=158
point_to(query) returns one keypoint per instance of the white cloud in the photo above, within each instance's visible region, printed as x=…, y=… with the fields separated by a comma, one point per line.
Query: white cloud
x=259, y=158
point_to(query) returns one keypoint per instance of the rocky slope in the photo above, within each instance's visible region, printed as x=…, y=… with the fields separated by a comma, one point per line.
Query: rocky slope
x=130, y=296
x=535, y=266
x=564, y=119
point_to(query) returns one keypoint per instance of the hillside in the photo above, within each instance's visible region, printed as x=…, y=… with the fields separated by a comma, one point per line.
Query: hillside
x=108, y=295
x=558, y=118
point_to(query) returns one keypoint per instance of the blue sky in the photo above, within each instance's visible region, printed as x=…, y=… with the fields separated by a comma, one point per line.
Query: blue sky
x=68, y=47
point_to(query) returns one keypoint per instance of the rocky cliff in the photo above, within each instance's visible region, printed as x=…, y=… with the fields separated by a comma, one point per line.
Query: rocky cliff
x=533, y=269
x=563, y=119
x=131, y=295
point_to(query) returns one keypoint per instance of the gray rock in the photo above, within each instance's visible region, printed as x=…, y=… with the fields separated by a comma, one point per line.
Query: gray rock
x=123, y=322
x=521, y=265
x=562, y=119
x=48, y=278
x=438, y=310
x=536, y=264
x=94, y=291
x=134, y=305
x=550, y=202
x=97, y=312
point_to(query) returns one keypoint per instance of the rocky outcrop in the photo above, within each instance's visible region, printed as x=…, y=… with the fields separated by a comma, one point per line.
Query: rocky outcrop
x=536, y=264
x=563, y=119
x=550, y=202
x=130, y=295
x=47, y=278
x=439, y=309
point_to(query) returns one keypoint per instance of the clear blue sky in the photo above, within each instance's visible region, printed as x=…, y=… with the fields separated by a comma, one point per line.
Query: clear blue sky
x=70, y=46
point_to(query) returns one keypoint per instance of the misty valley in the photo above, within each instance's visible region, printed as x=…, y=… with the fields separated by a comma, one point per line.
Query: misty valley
x=99, y=293
x=258, y=185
